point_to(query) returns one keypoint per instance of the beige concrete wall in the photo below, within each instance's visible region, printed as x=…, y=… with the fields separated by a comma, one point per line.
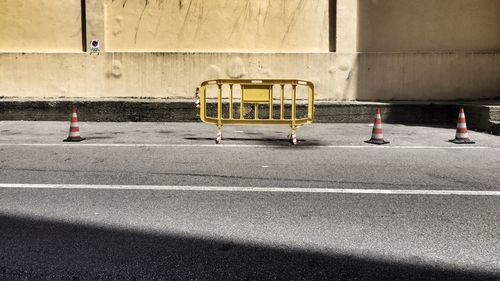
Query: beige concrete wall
x=407, y=76
x=167, y=25
x=160, y=75
x=347, y=26
x=428, y=25
x=428, y=76
x=40, y=26
x=217, y=25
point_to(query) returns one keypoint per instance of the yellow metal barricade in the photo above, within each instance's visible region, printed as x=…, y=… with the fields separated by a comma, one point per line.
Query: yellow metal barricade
x=256, y=102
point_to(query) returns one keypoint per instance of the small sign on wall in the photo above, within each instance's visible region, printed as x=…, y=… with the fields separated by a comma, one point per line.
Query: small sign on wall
x=94, y=47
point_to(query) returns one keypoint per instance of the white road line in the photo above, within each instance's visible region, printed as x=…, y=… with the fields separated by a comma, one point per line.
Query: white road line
x=254, y=189
x=246, y=146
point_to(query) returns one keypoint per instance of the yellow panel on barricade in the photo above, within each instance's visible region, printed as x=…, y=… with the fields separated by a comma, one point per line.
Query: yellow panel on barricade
x=274, y=103
x=256, y=94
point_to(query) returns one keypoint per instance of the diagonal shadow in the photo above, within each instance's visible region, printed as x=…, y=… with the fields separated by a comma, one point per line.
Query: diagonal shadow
x=35, y=249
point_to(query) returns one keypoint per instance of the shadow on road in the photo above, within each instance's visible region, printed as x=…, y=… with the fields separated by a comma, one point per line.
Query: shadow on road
x=48, y=250
x=267, y=141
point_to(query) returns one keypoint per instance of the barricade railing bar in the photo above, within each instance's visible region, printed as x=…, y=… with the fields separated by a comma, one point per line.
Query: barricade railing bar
x=256, y=102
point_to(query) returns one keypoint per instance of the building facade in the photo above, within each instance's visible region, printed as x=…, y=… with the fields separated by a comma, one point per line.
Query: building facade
x=351, y=49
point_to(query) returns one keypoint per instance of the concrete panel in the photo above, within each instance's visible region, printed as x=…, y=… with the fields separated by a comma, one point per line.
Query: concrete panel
x=40, y=26
x=428, y=25
x=347, y=26
x=165, y=75
x=95, y=26
x=218, y=25
x=428, y=76
x=403, y=76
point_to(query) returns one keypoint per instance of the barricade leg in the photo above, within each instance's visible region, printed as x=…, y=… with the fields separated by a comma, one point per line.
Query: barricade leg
x=218, y=139
x=293, y=135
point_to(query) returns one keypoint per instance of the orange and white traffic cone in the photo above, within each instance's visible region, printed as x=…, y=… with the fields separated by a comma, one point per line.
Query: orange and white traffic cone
x=461, y=136
x=74, y=130
x=377, y=132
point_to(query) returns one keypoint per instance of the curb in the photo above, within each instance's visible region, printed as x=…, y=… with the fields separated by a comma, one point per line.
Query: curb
x=479, y=117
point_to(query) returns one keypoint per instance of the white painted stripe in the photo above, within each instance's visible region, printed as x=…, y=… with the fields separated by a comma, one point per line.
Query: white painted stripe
x=462, y=125
x=243, y=146
x=377, y=126
x=255, y=189
x=377, y=136
x=462, y=136
x=74, y=134
x=461, y=115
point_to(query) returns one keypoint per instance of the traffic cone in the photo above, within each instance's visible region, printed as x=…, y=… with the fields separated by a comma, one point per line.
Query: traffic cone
x=462, y=136
x=74, y=130
x=377, y=133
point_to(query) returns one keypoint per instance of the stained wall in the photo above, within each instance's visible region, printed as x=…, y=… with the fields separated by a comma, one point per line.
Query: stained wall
x=166, y=48
x=218, y=26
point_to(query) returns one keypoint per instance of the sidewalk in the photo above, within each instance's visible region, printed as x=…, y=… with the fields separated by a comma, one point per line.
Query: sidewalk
x=199, y=134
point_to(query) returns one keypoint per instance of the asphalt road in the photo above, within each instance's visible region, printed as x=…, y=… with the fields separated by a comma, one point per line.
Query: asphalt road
x=161, y=201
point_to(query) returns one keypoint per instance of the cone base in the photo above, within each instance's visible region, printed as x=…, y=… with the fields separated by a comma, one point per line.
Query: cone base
x=462, y=141
x=79, y=139
x=377, y=141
